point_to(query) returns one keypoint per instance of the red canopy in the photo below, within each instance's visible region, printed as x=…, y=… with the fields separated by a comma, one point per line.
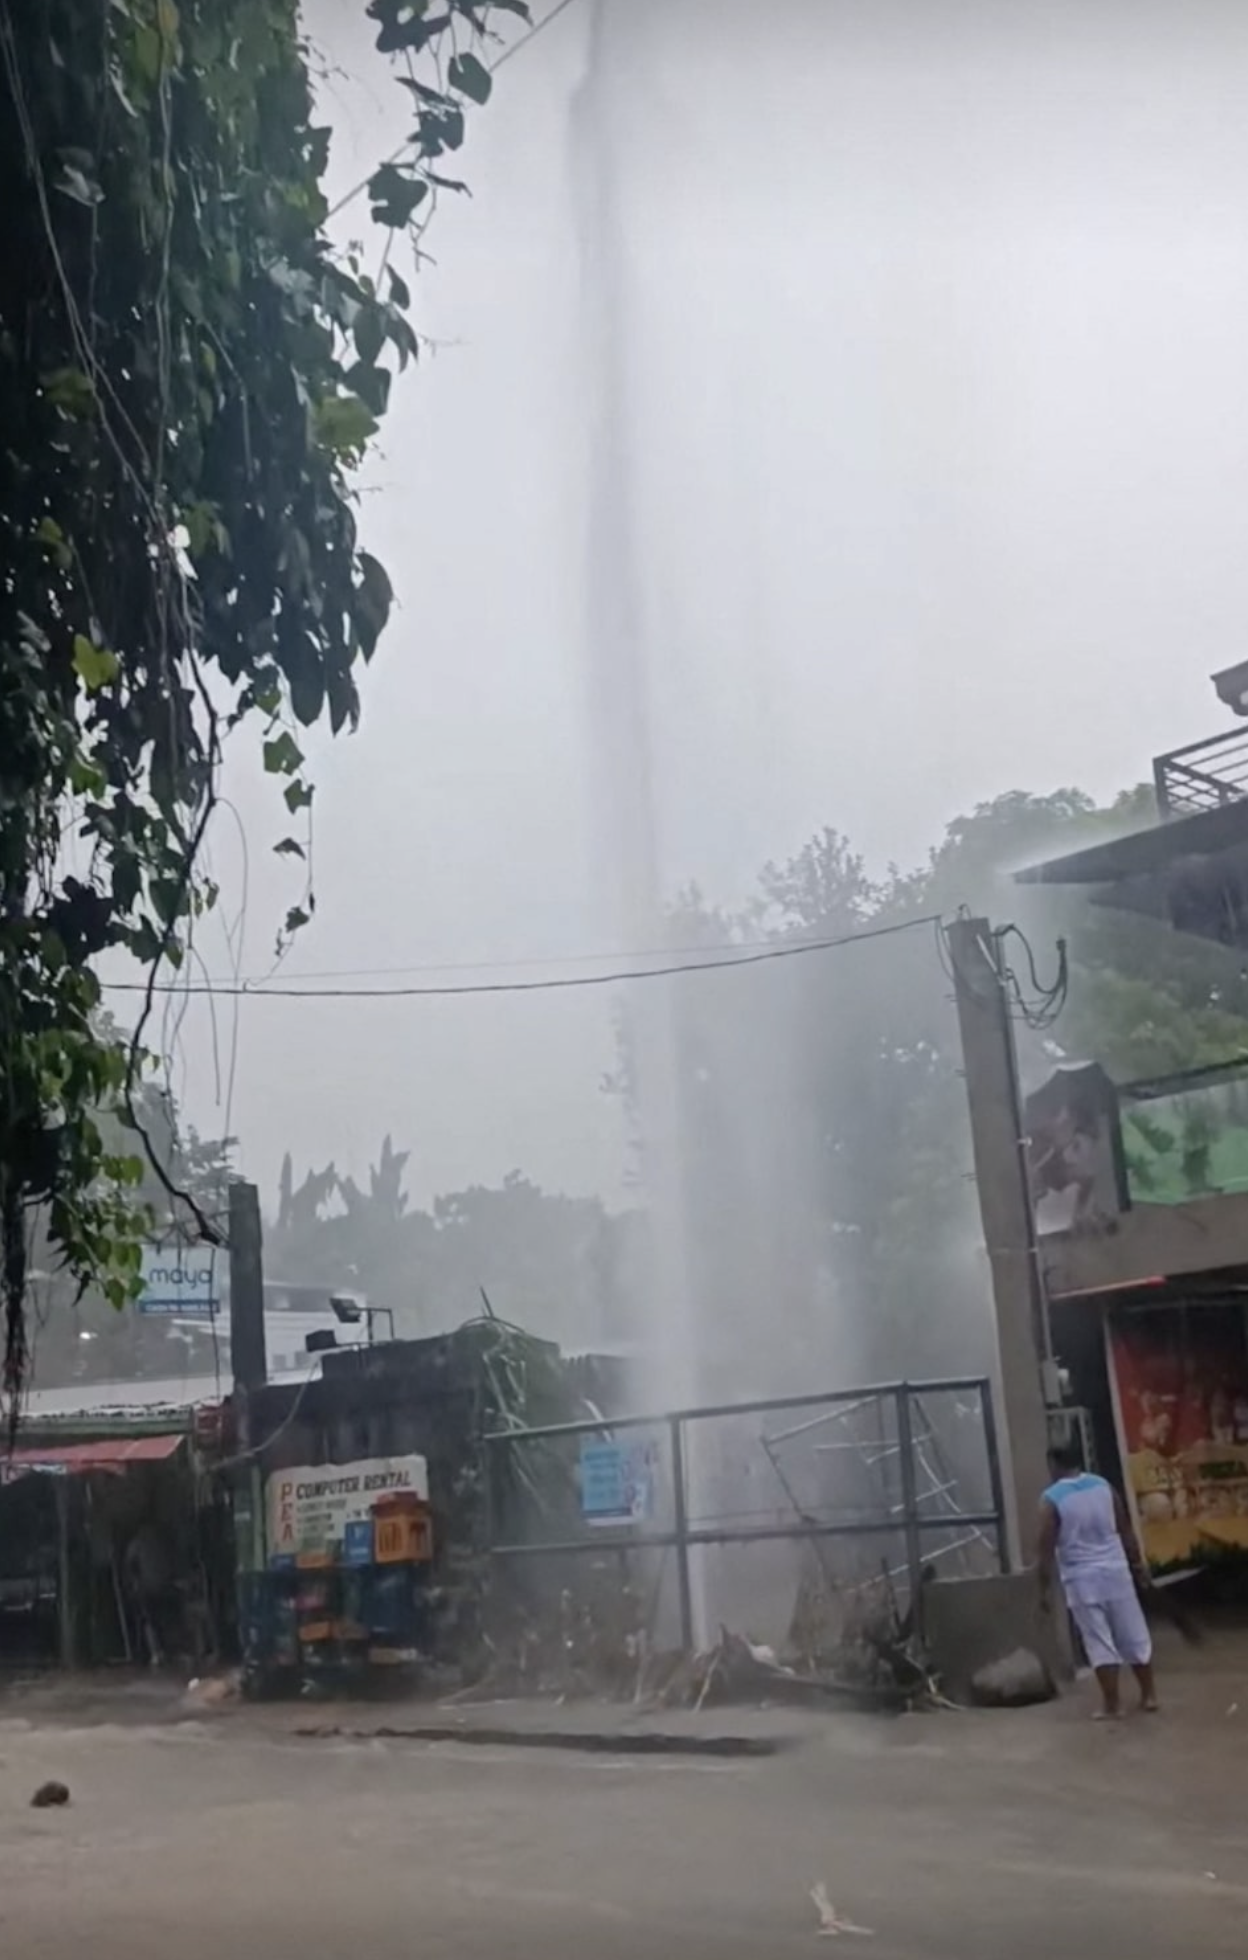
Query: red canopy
x=76, y=1459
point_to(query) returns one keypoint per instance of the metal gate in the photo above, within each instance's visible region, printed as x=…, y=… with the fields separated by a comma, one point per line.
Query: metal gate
x=900, y=1476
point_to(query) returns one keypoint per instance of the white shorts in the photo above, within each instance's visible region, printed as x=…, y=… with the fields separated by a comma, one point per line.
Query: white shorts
x=1114, y=1631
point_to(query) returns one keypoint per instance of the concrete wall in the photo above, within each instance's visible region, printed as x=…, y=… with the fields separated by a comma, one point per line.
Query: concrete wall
x=1149, y=1242
x=971, y=1622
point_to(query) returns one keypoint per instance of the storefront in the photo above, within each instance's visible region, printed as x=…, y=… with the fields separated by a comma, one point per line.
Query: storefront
x=1162, y=1371
x=111, y=1551
x=1178, y=1376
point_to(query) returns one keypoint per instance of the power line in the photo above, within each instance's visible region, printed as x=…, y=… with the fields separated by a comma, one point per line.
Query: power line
x=550, y=983
x=617, y=956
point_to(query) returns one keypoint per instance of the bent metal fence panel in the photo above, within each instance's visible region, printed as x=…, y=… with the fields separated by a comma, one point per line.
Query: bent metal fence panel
x=899, y=1476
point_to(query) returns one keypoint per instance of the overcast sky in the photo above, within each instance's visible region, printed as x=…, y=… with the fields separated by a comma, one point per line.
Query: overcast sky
x=938, y=316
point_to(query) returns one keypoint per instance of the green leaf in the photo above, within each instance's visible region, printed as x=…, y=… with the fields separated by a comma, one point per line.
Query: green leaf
x=396, y=195
x=344, y=425
x=306, y=679
x=297, y=917
x=374, y=596
x=441, y=130
x=282, y=755
x=86, y=778
x=290, y=847
x=143, y=942
x=203, y=529
x=370, y=333
x=422, y=91
x=70, y=390
x=403, y=336
x=297, y=796
x=49, y=533
x=400, y=291
x=52, y=947
x=148, y=53
x=95, y=666
x=371, y=384
x=168, y=897
x=471, y=77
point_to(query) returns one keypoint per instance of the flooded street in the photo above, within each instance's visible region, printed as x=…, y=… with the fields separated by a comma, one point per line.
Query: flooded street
x=955, y=1835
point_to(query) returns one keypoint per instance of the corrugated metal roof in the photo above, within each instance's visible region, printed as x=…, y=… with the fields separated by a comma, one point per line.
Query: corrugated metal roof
x=123, y=1398
x=76, y=1459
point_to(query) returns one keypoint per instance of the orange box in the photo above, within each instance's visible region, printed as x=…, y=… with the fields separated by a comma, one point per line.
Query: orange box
x=402, y=1531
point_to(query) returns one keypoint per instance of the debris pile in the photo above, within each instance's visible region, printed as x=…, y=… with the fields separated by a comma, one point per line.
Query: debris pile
x=847, y=1645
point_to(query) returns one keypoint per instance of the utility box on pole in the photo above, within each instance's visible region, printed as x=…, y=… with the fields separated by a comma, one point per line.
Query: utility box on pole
x=1009, y=1231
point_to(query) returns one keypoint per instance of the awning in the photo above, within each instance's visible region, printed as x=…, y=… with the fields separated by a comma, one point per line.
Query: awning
x=110, y=1455
x=1191, y=871
x=1147, y=853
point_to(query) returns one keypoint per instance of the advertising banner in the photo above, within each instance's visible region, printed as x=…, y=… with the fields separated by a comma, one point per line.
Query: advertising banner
x=1179, y=1378
x=321, y=1510
x=182, y=1282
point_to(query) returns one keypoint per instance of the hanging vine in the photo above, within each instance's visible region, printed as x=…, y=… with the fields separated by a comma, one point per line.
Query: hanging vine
x=189, y=377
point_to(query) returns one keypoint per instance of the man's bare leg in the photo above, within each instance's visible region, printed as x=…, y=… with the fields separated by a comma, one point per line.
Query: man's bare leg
x=1148, y=1687
x=1111, y=1706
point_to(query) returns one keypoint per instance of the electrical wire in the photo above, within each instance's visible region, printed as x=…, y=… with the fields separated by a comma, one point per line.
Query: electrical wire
x=615, y=956
x=257, y=1449
x=1041, y=1013
x=550, y=983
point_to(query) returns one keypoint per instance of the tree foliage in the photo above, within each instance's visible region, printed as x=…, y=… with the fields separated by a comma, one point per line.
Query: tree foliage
x=821, y=1138
x=555, y=1265
x=189, y=375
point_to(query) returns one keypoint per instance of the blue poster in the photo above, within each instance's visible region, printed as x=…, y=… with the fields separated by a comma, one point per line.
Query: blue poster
x=357, y=1541
x=617, y=1482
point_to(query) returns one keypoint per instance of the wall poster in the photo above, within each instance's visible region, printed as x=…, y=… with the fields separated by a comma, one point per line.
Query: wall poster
x=1179, y=1380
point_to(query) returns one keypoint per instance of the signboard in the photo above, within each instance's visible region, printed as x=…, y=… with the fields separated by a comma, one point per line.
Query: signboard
x=312, y=1508
x=1180, y=1387
x=183, y=1281
x=617, y=1482
x=1075, y=1158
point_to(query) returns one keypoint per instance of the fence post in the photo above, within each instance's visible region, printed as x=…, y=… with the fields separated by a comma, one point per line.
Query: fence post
x=910, y=1505
x=680, y=1522
x=996, y=1482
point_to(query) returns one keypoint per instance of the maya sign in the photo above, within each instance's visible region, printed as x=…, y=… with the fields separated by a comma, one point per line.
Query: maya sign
x=310, y=1507
x=183, y=1281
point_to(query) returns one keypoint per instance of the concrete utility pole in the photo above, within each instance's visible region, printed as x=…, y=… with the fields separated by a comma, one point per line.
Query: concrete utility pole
x=250, y=1367
x=1009, y=1226
x=247, y=1349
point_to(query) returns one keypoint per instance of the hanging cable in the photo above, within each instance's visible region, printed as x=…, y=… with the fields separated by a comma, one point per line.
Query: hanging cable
x=550, y=983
